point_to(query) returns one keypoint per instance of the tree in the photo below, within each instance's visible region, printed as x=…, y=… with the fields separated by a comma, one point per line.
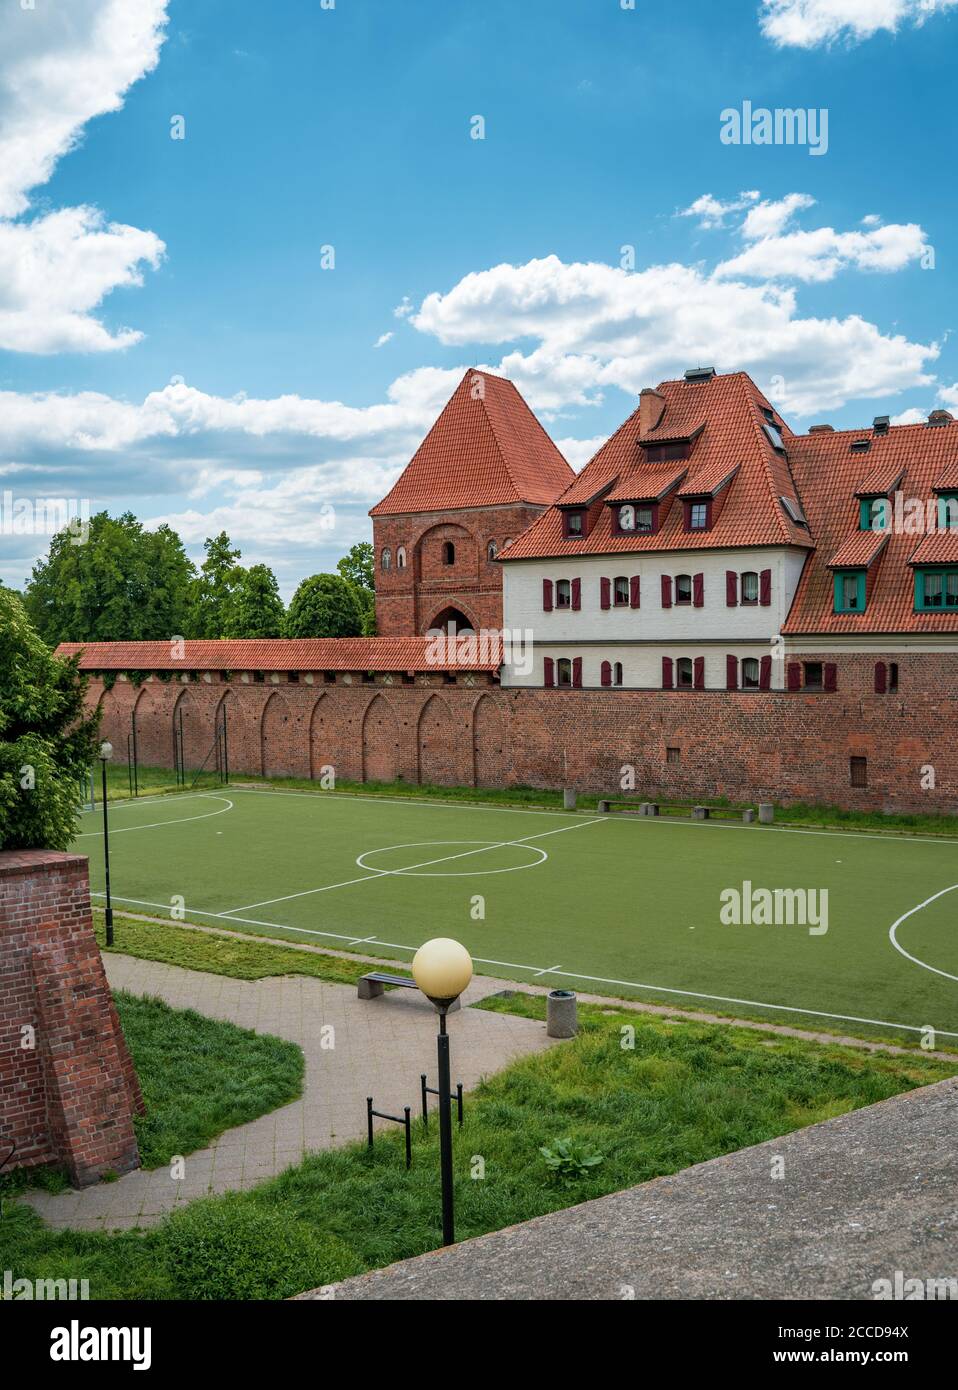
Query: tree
x=214, y=588
x=255, y=608
x=357, y=567
x=325, y=605
x=119, y=583
x=47, y=739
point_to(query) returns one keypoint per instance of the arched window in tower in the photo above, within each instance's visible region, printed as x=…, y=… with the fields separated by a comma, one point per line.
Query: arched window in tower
x=492, y=550
x=386, y=559
x=401, y=558
x=448, y=553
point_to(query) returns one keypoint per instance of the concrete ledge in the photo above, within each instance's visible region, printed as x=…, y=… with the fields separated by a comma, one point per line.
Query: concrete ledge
x=861, y=1197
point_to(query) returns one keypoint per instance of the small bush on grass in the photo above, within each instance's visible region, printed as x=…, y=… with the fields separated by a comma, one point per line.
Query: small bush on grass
x=231, y=1249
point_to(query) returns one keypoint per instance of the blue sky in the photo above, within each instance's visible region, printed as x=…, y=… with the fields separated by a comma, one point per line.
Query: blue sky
x=171, y=343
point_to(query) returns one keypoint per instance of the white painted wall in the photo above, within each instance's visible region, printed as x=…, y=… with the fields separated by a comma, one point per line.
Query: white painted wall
x=639, y=638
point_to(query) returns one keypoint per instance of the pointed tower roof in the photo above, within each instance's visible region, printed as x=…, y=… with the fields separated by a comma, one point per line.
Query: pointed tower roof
x=486, y=449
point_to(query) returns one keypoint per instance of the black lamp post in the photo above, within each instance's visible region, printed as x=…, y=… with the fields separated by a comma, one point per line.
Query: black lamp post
x=442, y=968
x=106, y=753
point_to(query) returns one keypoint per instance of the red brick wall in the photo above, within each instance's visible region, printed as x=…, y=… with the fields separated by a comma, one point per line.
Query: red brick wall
x=407, y=600
x=70, y=1097
x=747, y=746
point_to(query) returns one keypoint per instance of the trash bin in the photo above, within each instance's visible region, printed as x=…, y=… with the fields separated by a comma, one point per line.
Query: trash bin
x=561, y=1014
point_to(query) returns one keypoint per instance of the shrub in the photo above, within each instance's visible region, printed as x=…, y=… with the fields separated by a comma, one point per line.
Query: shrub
x=228, y=1248
x=569, y=1162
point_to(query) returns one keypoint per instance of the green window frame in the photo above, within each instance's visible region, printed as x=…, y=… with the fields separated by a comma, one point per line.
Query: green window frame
x=947, y=511
x=874, y=514
x=936, y=590
x=849, y=591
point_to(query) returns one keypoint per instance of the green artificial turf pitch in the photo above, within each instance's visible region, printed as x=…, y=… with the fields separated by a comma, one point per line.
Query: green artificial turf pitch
x=618, y=905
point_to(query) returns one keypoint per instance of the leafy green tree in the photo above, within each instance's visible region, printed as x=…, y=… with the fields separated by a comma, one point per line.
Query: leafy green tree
x=357, y=567
x=255, y=608
x=215, y=587
x=47, y=739
x=120, y=583
x=325, y=605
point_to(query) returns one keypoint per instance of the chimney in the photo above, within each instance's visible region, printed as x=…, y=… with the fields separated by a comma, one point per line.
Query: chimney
x=821, y=429
x=651, y=410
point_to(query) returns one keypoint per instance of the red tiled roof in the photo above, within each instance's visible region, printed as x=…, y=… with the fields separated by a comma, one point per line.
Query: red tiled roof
x=485, y=449
x=881, y=478
x=940, y=548
x=948, y=478
x=829, y=476
x=281, y=654
x=647, y=483
x=731, y=409
x=858, y=550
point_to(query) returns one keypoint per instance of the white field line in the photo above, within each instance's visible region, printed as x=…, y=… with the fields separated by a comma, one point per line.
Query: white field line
x=398, y=873
x=343, y=797
x=893, y=930
x=124, y=802
x=158, y=824
x=566, y=974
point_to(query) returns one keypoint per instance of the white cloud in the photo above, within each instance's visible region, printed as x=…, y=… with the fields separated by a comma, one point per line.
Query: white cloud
x=911, y=416
x=769, y=218
x=807, y=23
x=819, y=255
x=60, y=66
x=948, y=396
x=56, y=269
x=404, y=308
x=599, y=327
x=383, y=339
x=712, y=212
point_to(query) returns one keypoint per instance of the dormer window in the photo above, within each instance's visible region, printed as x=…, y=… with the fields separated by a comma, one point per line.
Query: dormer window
x=697, y=516
x=875, y=514
x=573, y=525
x=948, y=511
x=850, y=591
x=667, y=453
x=632, y=519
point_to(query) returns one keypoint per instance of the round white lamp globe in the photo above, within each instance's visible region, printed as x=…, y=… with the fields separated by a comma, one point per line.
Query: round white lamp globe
x=442, y=968
x=106, y=751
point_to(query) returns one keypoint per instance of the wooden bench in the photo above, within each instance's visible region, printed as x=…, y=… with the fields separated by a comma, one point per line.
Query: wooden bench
x=374, y=984
x=697, y=812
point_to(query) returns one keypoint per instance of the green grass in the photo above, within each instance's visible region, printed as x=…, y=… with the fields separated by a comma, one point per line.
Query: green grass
x=240, y=958
x=199, y=1078
x=685, y=1093
x=153, y=780
x=623, y=906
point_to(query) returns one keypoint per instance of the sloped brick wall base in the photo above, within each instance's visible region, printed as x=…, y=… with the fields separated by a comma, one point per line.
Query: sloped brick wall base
x=748, y=746
x=68, y=1088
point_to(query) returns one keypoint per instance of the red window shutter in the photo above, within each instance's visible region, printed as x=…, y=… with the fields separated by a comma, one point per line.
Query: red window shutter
x=634, y=591
x=606, y=673
x=831, y=676
x=698, y=590
x=605, y=593
x=666, y=591
x=698, y=673
x=547, y=595
x=576, y=595
x=666, y=673
x=577, y=672
x=549, y=671
x=765, y=587
x=765, y=674
x=731, y=589
x=731, y=672
x=794, y=676
x=881, y=678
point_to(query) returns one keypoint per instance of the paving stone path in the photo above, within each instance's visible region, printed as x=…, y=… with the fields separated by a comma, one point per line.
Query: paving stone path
x=381, y=1047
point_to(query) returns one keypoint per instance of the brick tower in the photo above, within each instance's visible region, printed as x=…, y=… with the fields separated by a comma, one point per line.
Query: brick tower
x=483, y=473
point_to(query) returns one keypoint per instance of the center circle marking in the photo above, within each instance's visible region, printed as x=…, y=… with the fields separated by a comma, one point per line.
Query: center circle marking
x=479, y=846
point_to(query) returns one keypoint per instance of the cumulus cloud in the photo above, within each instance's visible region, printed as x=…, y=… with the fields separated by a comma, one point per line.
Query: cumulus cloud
x=770, y=217
x=383, y=339
x=599, y=327
x=819, y=255
x=712, y=212
x=60, y=66
x=808, y=23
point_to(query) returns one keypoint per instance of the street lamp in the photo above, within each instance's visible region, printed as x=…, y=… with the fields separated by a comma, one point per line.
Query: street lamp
x=106, y=753
x=442, y=968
